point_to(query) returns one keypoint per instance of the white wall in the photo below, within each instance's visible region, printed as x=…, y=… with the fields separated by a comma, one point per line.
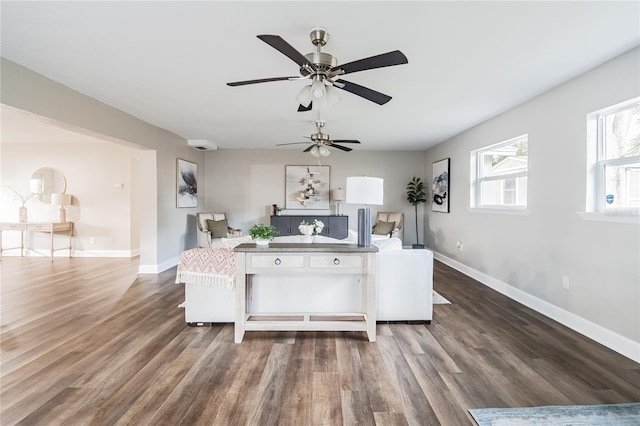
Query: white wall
x=244, y=183
x=532, y=253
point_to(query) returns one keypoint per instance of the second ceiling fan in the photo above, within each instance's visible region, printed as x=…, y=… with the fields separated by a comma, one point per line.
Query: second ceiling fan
x=323, y=69
x=320, y=142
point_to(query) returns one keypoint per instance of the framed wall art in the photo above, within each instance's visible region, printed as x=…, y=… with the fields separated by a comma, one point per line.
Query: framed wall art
x=440, y=187
x=187, y=184
x=307, y=187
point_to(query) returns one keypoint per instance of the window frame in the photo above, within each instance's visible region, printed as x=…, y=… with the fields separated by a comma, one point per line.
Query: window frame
x=477, y=179
x=601, y=162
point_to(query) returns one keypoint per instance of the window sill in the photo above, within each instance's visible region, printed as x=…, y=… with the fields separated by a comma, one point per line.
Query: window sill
x=633, y=218
x=493, y=210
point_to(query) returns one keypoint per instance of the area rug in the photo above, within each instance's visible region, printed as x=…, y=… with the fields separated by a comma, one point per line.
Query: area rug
x=565, y=415
x=439, y=300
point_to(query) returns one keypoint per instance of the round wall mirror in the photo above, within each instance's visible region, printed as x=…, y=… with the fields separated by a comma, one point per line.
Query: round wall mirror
x=46, y=181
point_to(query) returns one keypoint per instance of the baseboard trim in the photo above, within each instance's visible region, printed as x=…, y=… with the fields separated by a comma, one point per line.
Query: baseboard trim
x=75, y=253
x=106, y=253
x=612, y=340
x=156, y=269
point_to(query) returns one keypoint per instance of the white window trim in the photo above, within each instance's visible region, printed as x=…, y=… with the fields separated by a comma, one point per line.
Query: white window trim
x=595, y=205
x=612, y=217
x=476, y=182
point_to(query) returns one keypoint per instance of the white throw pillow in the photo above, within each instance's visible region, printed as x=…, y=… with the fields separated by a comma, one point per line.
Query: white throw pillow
x=327, y=240
x=375, y=237
x=352, y=237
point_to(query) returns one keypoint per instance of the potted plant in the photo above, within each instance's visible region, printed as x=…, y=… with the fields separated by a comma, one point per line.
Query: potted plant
x=22, y=211
x=415, y=196
x=262, y=234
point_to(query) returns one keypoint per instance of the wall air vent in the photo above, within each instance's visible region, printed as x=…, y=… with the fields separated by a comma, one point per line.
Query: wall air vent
x=202, y=144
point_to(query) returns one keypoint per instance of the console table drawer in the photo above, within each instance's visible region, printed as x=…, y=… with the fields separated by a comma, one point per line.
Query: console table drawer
x=14, y=226
x=40, y=227
x=335, y=262
x=276, y=261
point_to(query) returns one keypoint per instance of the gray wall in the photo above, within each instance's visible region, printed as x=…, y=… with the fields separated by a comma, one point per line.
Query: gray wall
x=532, y=253
x=244, y=183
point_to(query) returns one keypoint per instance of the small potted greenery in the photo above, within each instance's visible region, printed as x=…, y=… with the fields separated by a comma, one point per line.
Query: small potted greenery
x=262, y=234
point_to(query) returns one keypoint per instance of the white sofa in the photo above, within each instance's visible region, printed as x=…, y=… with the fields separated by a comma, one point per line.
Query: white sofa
x=404, y=283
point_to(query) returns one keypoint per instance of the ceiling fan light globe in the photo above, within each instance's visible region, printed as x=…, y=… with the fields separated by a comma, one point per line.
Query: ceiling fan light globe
x=315, y=151
x=304, y=96
x=324, y=151
x=332, y=96
x=318, y=89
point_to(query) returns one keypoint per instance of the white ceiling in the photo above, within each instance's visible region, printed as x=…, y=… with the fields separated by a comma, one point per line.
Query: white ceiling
x=167, y=62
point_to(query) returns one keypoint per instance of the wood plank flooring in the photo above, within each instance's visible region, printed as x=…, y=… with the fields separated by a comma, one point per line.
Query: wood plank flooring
x=89, y=342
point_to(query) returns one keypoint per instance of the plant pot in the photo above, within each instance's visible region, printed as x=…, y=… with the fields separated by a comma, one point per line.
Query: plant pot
x=262, y=243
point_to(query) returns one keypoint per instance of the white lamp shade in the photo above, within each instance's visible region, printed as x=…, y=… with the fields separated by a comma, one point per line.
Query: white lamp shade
x=365, y=190
x=338, y=194
x=60, y=199
x=317, y=89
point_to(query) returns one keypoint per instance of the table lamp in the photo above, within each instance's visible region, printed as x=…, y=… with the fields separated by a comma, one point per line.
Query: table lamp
x=338, y=195
x=368, y=191
x=61, y=200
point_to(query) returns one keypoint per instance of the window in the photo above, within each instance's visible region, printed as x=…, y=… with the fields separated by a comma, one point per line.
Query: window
x=618, y=158
x=500, y=174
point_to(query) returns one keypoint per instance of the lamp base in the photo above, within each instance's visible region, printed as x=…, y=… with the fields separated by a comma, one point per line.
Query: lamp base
x=62, y=215
x=364, y=227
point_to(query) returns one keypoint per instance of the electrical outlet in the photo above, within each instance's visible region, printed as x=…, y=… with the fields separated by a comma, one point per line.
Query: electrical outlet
x=92, y=241
x=565, y=283
x=459, y=245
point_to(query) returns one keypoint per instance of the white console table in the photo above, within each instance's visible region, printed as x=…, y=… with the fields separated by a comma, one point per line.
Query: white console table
x=47, y=227
x=302, y=260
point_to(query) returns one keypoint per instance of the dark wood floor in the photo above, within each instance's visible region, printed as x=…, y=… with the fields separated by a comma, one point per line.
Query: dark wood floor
x=88, y=342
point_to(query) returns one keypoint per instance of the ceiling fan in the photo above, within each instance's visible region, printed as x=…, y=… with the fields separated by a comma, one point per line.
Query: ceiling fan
x=323, y=69
x=320, y=142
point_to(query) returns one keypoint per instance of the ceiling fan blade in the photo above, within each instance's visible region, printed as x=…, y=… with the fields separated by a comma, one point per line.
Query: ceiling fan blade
x=364, y=92
x=379, y=61
x=309, y=149
x=303, y=108
x=346, y=141
x=286, y=49
x=292, y=143
x=344, y=148
x=262, y=80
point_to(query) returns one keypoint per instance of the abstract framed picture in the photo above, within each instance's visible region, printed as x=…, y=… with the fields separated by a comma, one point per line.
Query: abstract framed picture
x=187, y=184
x=440, y=186
x=307, y=187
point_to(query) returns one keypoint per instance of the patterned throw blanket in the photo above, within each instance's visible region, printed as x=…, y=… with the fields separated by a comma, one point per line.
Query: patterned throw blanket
x=209, y=267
